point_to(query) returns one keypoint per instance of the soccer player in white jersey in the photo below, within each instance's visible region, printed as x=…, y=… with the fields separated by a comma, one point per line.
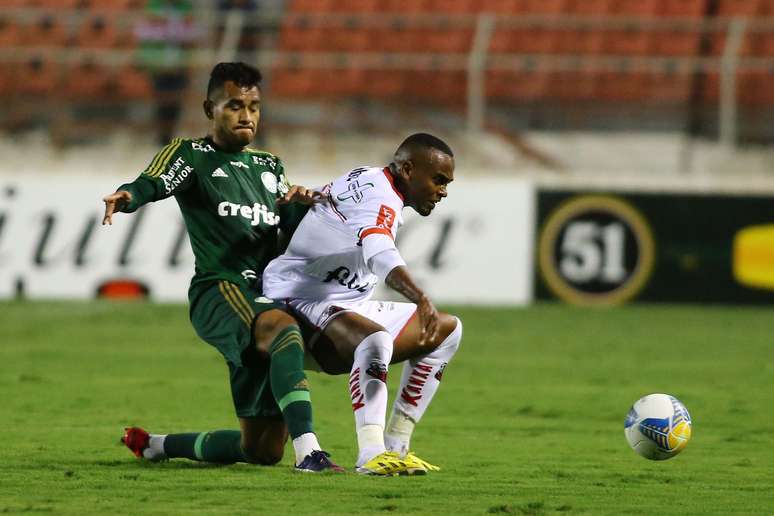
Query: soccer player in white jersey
x=342, y=247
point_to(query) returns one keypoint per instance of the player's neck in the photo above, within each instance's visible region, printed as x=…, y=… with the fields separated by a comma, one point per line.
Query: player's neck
x=222, y=146
x=397, y=181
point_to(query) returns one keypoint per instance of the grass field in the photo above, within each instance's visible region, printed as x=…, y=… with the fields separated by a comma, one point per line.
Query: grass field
x=529, y=419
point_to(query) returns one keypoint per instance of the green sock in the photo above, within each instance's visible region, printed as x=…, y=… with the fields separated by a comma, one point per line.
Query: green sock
x=220, y=446
x=288, y=381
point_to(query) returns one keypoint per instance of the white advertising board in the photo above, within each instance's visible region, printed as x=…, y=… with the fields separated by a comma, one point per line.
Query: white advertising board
x=476, y=247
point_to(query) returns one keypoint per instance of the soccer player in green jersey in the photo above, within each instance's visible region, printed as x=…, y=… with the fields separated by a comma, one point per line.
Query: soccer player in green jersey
x=234, y=200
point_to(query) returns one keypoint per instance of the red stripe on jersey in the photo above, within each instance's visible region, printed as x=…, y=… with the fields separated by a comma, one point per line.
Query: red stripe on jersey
x=372, y=231
x=391, y=179
x=335, y=210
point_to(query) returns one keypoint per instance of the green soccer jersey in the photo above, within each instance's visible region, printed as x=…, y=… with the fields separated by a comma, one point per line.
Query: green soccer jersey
x=228, y=201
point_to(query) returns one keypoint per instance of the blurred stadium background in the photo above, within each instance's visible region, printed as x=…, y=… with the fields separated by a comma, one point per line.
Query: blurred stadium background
x=649, y=96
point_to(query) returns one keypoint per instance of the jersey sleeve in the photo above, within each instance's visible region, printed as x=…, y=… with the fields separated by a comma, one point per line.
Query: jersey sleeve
x=374, y=223
x=169, y=172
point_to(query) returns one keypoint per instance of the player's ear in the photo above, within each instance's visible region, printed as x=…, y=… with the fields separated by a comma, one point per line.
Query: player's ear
x=208, y=106
x=406, y=168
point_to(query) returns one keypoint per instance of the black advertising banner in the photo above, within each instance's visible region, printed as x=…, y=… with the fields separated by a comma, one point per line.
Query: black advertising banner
x=612, y=248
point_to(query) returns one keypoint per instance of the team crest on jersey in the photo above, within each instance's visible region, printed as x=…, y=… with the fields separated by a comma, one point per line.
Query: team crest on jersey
x=269, y=181
x=354, y=191
x=202, y=148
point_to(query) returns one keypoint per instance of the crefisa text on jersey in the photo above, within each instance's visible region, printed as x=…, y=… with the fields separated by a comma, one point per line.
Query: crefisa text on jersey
x=256, y=213
x=172, y=179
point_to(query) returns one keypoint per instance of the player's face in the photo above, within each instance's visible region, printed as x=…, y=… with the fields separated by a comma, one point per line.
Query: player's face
x=235, y=113
x=429, y=180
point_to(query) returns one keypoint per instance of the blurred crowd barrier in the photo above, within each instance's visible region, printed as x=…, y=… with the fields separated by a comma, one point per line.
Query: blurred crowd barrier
x=79, y=68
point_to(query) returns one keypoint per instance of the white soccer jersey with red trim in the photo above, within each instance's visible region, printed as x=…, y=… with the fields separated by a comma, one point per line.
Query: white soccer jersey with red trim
x=328, y=254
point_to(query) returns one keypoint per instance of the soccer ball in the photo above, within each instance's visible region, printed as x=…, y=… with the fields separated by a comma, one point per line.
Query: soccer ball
x=658, y=426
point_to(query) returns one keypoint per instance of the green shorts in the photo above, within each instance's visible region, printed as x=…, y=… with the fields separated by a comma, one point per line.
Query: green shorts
x=223, y=314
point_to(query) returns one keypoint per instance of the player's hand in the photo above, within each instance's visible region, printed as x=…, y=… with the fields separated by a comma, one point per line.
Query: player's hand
x=113, y=203
x=428, y=321
x=300, y=194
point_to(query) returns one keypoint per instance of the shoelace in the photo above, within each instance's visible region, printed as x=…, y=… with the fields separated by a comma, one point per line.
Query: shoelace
x=320, y=456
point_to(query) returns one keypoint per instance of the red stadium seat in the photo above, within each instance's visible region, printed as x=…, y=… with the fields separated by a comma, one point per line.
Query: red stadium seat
x=404, y=6
x=526, y=41
x=631, y=42
x=48, y=31
x=755, y=88
x=385, y=84
x=37, y=77
x=88, y=81
x=499, y=6
x=517, y=86
x=675, y=43
x=446, y=40
x=586, y=42
x=397, y=39
x=589, y=7
x=311, y=6
x=10, y=33
x=636, y=7
x=292, y=83
x=452, y=6
x=572, y=86
x=98, y=32
x=356, y=6
x=307, y=39
x=670, y=88
x=542, y=6
x=622, y=86
x=683, y=8
x=133, y=83
x=738, y=7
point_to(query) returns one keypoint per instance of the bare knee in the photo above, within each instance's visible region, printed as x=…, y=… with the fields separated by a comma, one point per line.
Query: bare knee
x=447, y=324
x=268, y=325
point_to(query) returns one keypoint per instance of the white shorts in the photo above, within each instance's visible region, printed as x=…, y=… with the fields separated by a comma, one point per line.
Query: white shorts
x=392, y=316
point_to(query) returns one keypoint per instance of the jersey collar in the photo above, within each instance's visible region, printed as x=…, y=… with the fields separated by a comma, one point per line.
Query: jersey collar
x=391, y=179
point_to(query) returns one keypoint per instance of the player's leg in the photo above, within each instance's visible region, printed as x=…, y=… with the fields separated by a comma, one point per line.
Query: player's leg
x=368, y=347
x=421, y=377
x=278, y=340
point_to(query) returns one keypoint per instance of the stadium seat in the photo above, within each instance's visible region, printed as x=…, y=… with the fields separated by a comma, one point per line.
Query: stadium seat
x=572, y=86
x=499, y=6
x=589, y=7
x=356, y=6
x=638, y=8
x=311, y=6
x=580, y=41
x=10, y=33
x=386, y=83
x=669, y=88
x=541, y=6
x=622, y=86
x=116, y=5
x=87, y=81
x=404, y=6
x=133, y=83
x=683, y=8
x=38, y=77
x=292, y=83
x=398, y=39
x=303, y=39
x=98, y=32
x=519, y=87
x=627, y=42
x=452, y=6
x=526, y=41
x=452, y=40
x=47, y=31
x=738, y=7
x=675, y=43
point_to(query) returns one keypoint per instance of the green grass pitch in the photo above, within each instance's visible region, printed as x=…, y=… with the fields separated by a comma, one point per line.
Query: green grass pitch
x=529, y=419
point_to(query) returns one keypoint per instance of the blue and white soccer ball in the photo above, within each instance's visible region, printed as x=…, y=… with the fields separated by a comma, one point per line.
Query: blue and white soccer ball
x=658, y=426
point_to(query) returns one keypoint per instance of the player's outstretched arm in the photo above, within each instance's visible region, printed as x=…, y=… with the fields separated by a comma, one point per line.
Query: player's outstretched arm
x=115, y=202
x=400, y=281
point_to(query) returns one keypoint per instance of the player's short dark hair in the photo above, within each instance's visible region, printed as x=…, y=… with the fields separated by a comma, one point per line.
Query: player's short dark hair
x=427, y=141
x=241, y=74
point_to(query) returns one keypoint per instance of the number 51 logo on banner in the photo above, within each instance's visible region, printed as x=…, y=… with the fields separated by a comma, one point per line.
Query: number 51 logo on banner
x=595, y=249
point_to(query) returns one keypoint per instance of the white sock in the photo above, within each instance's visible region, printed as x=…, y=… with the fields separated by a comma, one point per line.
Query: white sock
x=155, y=449
x=305, y=444
x=368, y=390
x=420, y=380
